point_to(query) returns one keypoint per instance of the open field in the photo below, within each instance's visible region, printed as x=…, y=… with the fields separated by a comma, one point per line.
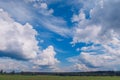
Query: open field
x=26, y=77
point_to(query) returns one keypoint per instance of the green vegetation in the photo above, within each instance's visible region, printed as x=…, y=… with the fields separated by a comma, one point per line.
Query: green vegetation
x=38, y=77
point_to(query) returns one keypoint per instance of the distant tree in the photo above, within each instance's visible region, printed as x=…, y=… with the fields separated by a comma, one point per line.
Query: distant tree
x=13, y=72
x=1, y=72
x=21, y=72
x=4, y=72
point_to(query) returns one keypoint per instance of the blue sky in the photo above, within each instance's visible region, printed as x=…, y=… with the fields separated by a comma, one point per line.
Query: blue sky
x=59, y=35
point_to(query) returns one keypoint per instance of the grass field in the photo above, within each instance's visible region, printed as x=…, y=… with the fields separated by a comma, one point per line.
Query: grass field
x=22, y=77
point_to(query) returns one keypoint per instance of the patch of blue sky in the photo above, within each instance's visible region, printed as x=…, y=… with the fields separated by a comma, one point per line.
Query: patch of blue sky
x=64, y=10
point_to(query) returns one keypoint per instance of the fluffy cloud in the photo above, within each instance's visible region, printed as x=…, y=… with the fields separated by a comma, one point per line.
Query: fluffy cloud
x=101, y=29
x=102, y=26
x=8, y=64
x=46, y=57
x=41, y=6
x=88, y=34
x=97, y=57
x=96, y=60
x=19, y=42
x=106, y=16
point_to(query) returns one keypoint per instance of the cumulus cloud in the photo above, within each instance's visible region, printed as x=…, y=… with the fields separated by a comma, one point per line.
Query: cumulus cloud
x=97, y=57
x=17, y=39
x=19, y=42
x=94, y=61
x=88, y=34
x=103, y=24
x=106, y=16
x=101, y=29
x=46, y=57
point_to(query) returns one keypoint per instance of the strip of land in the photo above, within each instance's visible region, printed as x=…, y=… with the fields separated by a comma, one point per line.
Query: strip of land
x=48, y=77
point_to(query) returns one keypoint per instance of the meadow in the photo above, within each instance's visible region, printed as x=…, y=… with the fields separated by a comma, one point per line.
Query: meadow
x=41, y=77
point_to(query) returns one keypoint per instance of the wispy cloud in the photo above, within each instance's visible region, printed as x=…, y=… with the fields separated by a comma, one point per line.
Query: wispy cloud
x=36, y=11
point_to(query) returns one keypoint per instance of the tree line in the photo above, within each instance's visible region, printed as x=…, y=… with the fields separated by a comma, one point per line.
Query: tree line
x=95, y=73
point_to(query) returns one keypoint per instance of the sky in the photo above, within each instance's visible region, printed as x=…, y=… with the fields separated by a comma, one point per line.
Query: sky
x=59, y=35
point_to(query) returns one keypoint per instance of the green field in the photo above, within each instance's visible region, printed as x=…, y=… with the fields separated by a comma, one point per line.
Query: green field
x=22, y=77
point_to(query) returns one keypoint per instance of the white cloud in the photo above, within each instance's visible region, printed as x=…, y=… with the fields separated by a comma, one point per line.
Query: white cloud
x=79, y=18
x=47, y=57
x=48, y=20
x=101, y=29
x=56, y=25
x=26, y=12
x=41, y=6
x=7, y=64
x=44, y=5
x=18, y=41
x=23, y=11
x=94, y=61
x=87, y=34
x=103, y=24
